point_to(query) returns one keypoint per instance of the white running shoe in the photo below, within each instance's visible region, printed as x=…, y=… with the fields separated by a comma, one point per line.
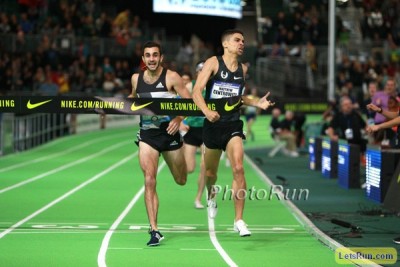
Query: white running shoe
x=212, y=208
x=198, y=205
x=241, y=227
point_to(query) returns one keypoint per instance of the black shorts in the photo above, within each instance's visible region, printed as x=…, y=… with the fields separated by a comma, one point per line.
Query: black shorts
x=159, y=139
x=250, y=116
x=217, y=135
x=194, y=136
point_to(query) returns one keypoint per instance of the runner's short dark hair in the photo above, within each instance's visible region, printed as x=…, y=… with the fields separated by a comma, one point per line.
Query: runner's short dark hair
x=150, y=44
x=229, y=32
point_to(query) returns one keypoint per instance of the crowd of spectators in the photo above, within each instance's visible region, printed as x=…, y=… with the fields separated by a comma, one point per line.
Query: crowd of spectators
x=47, y=69
x=295, y=27
x=296, y=30
x=371, y=78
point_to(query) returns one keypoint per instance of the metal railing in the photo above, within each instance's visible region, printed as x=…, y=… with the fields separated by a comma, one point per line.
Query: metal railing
x=22, y=132
x=292, y=76
x=97, y=46
x=33, y=130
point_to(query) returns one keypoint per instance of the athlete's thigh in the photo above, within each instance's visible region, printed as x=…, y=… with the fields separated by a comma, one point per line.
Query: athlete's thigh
x=234, y=150
x=189, y=150
x=175, y=160
x=148, y=159
x=211, y=159
x=190, y=155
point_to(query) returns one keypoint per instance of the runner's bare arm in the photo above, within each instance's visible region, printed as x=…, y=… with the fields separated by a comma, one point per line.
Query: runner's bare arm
x=210, y=67
x=262, y=103
x=175, y=82
x=134, y=80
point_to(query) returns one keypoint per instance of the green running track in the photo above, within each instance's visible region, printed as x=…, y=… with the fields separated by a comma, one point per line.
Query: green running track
x=78, y=201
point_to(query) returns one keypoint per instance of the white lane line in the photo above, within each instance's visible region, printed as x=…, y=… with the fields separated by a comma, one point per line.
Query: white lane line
x=125, y=248
x=79, y=187
x=99, y=231
x=52, y=156
x=40, y=176
x=198, y=249
x=267, y=225
x=162, y=224
x=217, y=245
x=66, y=223
x=183, y=249
x=101, y=258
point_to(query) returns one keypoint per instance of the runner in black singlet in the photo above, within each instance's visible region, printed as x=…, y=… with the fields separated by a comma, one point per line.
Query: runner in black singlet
x=224, y=77
x=158, y=134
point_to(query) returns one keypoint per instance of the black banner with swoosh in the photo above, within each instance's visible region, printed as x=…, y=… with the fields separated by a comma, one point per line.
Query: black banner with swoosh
x=113, y=105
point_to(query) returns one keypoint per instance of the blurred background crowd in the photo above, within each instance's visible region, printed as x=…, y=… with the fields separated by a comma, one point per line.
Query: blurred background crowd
x=93, y=47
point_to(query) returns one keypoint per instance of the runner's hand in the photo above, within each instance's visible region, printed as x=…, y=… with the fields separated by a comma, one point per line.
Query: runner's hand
x=373, y=107
x=264, y=103
x=173, y=126
x=212, y=116
x=372, y=128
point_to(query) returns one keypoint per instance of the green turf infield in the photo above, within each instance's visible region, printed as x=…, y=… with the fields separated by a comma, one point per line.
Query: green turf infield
x=78, y=201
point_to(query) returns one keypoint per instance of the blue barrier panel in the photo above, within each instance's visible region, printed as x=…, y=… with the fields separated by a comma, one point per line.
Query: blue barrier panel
x=349, y=166
x=329, y=158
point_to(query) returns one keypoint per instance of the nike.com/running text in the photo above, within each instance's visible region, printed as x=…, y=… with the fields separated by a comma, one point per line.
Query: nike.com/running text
x=183, y=106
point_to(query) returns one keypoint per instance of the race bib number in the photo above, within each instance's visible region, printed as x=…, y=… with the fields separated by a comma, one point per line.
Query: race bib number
x=224, y=89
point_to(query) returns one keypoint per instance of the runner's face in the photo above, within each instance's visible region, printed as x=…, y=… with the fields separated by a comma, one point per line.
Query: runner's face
x=236, y=43
x=152, y=58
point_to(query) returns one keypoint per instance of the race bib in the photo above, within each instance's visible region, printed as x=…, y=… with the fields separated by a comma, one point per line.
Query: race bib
x=224, y=89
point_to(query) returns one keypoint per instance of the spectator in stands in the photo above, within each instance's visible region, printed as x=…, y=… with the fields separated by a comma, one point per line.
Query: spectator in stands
x=381, y=100
x=297, y=27
x=314, y=31
x=4, y=23
x=357, y=78
x=280, y=22
x=103, y=25
x=276, y=51
x=89, y=8
x=370, y=114
x=348, y=91
x=392, y=118
x=310, y=56
x=122, y=20
x=48, y=87
x=135, y=28
x=185, y=54
x=14, y=23
x=299, y=121
x=25, y=24
x=107, y=66
x=88, y=27
x=348, y=124
x=279, y=132
x=111, y=84
x=251, y=114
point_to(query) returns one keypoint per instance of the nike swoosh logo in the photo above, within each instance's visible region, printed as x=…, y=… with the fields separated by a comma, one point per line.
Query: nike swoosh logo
x=134, y=108
x=29, y=105
x=231, y=107
x=237, y=78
